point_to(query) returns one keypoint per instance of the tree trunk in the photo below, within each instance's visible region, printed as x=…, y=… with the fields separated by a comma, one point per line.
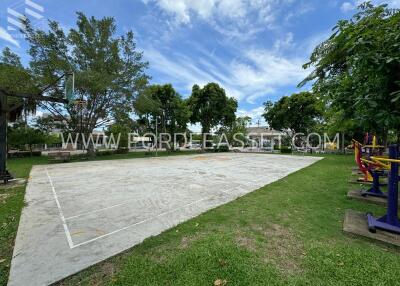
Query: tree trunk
x=204, y=139
x=3, y=134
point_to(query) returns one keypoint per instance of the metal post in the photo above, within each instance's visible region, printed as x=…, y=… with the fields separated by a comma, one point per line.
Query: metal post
x=3, y=134
x=390, y=221
x=392, y=207
x=156, y=141
x=4, y=174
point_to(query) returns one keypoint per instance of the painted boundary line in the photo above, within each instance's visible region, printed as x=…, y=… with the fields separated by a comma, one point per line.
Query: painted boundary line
x=66, y=230
x=151, y=218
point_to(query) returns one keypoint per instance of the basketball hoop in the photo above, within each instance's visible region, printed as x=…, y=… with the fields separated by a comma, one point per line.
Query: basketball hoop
x=80, y=103
x=70, y=87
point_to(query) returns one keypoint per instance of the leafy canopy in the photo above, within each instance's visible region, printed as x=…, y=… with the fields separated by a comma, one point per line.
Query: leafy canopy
x=165, y=104
x=296, y=113
x=14, y=78
x=356, y=71
x=108, y=70
x=211, y=107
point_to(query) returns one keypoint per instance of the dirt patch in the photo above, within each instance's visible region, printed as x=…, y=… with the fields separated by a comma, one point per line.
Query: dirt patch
x=187, y=241
x=106, y=272
x=3, y=197
x=276, y=244
x=158, y=253
x=285, y=250
x=108, y=269
x=246, y=242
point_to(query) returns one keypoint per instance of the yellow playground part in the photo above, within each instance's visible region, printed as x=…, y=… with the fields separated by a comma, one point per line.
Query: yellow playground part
x=376, y=161
x=374, y=145
x=366, y=165
x=379, y=160
x=361, y=165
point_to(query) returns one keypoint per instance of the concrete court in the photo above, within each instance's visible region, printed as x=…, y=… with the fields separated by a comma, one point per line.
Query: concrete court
x=79, y=214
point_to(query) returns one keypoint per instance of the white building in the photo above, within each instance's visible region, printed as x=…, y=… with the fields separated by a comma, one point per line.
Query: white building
x=263, y=136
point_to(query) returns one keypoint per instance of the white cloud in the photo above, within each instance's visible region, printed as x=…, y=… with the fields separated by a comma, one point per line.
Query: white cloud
x=258, y=73
x=232, y=18
x=184, y=10
x=312, y=42
x=7, y=37
x=391, y=3
x=266, y=72
x=284, y=43
x=255, y=114
x=303, y=9
x=394, y=3
x=352, y=5
x=347, y=6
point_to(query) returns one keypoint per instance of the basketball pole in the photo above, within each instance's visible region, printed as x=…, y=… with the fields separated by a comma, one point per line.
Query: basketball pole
x=5, y=175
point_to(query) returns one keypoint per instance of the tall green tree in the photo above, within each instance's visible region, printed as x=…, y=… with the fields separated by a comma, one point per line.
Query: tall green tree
x=109, y=71
x=161, y=104
x=297, y=113
x=356, y=70
x=211, y=107
x=14, y=78
x=119, y=130
x=236, y=131
x=21, y=134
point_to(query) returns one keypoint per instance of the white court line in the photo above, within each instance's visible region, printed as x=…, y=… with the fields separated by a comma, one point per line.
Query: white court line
x=148, y=219
x=137, y=223
x=66, y=230
x=121, y=204
x=96, y=211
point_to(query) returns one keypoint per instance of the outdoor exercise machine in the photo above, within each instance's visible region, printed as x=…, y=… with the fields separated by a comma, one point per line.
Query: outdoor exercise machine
x=374, y=169
x=371, y=147
x=365, y=166
x=5, y=175
x=390, y=221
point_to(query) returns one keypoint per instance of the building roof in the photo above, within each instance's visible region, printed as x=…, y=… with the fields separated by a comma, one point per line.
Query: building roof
x=262, y=130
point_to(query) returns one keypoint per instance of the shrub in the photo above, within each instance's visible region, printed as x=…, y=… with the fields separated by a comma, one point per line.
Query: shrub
x=221, y=148
x=104, y=153
x=121, y=151
x=25, y=154
x=286, y=150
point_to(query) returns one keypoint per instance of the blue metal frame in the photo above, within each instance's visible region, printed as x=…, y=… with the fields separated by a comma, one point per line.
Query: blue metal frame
x=390, y=221
x=375, y=190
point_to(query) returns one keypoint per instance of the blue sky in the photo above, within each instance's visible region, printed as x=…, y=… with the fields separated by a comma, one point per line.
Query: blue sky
x=252, y=48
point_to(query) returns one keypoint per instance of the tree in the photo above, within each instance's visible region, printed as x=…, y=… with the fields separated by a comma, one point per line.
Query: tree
x=237, y=130
x=297, y=113
x=211, y=107
x=121, y=130
x=108, y=70
x=356, y=71
x=48, y=124
x=162, y=104
x=21, y=134
x=15, y=78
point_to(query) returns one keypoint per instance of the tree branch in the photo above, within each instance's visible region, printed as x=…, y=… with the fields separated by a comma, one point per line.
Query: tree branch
x=38, y=97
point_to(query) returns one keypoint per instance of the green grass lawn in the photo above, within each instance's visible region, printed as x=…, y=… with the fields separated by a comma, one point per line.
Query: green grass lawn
x=286, y=233
x=12, y=201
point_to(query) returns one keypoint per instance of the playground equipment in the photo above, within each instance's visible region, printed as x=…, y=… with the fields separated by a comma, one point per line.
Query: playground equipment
x=361, y=166
x=390, y=221
x=371, y=147
x=370, y=169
